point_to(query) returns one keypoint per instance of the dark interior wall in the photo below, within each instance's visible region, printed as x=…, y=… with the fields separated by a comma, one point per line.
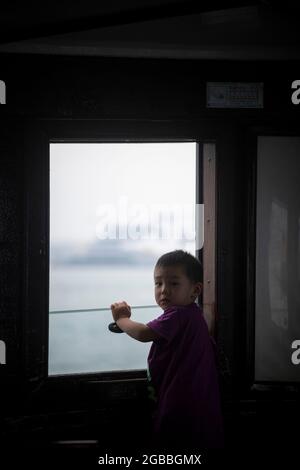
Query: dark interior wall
x=129, y=98
x=10, y=243
x=72, y=88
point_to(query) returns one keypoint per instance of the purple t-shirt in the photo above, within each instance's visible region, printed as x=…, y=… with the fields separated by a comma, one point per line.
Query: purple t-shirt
x=182, y=371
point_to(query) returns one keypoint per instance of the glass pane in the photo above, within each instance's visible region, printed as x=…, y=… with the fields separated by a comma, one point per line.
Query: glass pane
x=277, y=320
x=114, y=209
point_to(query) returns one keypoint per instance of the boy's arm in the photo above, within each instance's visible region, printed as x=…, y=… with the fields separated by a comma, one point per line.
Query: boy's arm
x=137, y=330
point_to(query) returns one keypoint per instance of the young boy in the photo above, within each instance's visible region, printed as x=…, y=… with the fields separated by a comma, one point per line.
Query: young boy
x=181, y=361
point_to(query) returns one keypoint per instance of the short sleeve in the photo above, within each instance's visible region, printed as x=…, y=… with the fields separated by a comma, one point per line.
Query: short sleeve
x=167, y=325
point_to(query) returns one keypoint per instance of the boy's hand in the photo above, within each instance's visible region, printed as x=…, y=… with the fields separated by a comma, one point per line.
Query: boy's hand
x=120, y=310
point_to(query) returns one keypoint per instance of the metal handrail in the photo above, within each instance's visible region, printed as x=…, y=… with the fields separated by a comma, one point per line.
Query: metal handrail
x=97, y=309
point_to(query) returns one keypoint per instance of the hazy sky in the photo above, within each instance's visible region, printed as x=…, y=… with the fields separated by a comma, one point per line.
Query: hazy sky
x=86, y=178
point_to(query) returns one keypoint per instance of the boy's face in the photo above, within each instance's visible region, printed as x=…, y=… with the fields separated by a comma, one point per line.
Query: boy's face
x=173, y=287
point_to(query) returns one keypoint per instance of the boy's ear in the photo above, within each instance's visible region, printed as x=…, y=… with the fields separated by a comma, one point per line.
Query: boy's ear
x=198, y=288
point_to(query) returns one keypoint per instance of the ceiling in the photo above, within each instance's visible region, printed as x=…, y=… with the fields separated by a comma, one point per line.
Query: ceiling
x=190, y=29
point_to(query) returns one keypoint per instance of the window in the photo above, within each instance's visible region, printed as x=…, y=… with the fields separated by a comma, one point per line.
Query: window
x=114, y=209
x=277, y=298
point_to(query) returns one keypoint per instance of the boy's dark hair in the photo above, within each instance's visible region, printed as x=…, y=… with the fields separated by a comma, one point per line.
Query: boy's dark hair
x=191, y=265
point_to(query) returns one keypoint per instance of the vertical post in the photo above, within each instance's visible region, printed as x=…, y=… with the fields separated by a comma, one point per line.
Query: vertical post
x=209, y=250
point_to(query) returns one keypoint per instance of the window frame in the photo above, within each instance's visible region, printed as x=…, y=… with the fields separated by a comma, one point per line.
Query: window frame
x=38, y=136
x=253, y=386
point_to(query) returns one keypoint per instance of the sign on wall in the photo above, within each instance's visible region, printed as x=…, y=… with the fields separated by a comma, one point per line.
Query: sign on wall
x=234, y=95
